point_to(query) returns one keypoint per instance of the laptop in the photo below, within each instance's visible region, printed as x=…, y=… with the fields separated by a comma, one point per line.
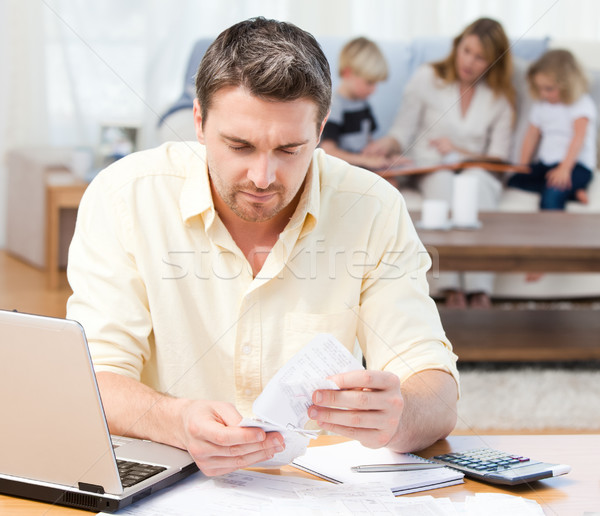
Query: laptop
x=55, y=445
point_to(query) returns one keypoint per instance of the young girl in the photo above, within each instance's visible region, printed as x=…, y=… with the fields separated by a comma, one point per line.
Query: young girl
x=563, y=122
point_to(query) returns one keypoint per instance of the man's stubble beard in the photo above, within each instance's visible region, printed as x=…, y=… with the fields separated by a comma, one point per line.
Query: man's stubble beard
x=248, y=211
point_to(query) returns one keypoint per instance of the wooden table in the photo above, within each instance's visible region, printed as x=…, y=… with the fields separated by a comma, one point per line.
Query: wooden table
x=59, y=196
x=573, y=494
x=521, y=242
x=548, y=241
x=495, y=335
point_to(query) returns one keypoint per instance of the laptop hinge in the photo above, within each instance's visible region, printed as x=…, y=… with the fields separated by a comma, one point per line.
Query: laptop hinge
x=91, y=488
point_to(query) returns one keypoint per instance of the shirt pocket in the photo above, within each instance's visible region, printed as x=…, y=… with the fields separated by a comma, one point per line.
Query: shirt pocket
x=300, y=328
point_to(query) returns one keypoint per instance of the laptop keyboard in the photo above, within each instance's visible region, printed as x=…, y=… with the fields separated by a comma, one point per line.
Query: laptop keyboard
x=133, y=473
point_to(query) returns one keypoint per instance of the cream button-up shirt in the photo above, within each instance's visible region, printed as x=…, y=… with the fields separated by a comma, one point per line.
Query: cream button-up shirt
x=167, y=297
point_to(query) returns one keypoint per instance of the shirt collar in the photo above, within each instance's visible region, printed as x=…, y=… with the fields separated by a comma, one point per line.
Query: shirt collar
x=307, y=211
x=196, y=198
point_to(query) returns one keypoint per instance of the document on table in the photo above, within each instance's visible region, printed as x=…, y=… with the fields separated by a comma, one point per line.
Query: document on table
x=335, y=462
x=284, y=402
x=251, y=493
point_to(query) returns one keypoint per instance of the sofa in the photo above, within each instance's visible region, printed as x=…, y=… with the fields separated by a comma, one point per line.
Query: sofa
x=403, y=59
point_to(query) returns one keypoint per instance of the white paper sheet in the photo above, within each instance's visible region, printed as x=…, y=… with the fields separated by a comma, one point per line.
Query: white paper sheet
x=286, y=398
x=335, y=462
x=251, y=493
x=284, y=402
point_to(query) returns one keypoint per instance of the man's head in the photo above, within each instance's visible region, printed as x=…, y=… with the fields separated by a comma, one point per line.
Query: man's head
x=271, y=60
x=264, y=91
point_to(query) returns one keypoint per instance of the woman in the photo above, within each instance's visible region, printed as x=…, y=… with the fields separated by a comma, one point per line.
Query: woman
x=460, y=108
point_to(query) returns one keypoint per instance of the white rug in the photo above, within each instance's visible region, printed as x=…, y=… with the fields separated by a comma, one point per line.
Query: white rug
x=529, y=399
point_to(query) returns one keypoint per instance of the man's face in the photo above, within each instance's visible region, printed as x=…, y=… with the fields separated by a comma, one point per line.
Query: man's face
x=257, y=151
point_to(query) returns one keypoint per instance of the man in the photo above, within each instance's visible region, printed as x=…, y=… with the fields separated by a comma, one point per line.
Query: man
x=198, y=270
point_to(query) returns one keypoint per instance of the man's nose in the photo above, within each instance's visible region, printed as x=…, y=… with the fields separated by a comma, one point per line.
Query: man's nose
x=262, y=171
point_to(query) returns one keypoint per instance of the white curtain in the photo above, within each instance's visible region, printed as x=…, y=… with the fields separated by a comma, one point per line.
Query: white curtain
x=70, y=66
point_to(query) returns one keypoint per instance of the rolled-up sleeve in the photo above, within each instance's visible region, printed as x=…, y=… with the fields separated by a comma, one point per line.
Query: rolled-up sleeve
x=399, y=321
x=109, y=297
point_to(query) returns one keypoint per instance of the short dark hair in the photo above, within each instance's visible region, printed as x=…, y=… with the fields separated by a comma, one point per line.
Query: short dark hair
x=272, y=60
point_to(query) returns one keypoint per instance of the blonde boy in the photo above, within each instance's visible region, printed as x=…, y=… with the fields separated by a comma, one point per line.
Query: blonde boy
x=351, y=122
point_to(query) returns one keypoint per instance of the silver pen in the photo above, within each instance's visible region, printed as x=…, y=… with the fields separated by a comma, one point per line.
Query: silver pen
x=409, y=466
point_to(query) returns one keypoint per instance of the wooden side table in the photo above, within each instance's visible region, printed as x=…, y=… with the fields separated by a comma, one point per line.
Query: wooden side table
x=59, y=195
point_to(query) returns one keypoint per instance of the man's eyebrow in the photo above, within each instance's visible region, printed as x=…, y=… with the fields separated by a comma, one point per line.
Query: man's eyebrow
x=293, y=144
x=235, y=139
x=241, y=141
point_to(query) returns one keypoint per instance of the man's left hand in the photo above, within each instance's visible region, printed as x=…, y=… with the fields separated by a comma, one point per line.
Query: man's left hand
x=368, y=407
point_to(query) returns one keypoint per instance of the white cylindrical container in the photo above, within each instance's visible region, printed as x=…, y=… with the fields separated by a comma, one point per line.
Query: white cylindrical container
x=434, y=214
x=465, y=202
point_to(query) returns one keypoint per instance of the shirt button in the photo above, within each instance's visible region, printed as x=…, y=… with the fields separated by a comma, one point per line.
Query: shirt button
x=248, y=392
x=246, y=349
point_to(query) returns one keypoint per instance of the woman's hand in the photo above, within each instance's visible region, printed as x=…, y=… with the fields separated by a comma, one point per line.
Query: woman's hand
x=443, y=145
x=383, y=147
x=559, y=178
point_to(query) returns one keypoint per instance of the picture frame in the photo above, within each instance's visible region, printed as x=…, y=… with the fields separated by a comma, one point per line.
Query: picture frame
x=117, y=140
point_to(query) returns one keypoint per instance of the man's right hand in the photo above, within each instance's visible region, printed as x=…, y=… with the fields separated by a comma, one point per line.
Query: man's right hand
x=207, y=429
x=218, y=445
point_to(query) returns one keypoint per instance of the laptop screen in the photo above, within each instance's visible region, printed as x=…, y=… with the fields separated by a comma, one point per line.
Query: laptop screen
x=53, y=425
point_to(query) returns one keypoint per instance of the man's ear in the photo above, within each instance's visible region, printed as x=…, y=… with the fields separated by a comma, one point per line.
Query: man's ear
x=198, y=121
x=323, y=126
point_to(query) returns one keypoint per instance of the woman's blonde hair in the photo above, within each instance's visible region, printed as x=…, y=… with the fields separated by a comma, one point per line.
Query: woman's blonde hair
x=562, y=67
x=496, y=48
x=365, y=59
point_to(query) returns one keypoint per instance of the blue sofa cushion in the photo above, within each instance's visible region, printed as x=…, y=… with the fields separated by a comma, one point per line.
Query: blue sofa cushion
x=403, y=57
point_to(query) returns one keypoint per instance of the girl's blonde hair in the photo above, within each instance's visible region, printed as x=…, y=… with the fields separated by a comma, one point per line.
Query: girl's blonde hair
x=365, y=59
x=496, y=48
x=562, y=67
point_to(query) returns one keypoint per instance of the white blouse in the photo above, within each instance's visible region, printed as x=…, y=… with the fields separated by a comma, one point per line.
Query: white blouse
x=431, y=109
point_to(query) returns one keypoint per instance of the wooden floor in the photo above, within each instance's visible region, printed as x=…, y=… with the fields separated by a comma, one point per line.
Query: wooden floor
x=24, y=288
